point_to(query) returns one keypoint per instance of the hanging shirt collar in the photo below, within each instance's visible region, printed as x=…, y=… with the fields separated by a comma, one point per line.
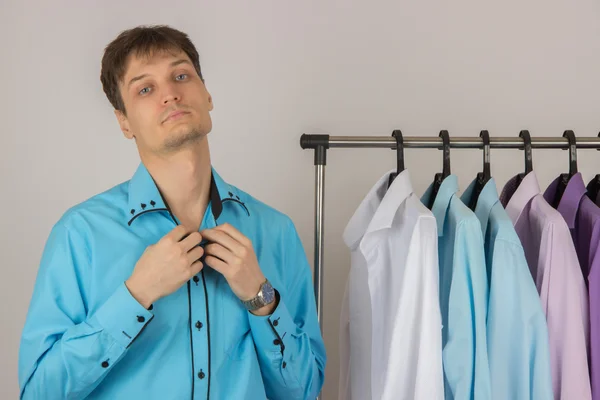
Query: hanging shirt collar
x=515, y=199
x=378, y=208
x=448, y=188
x=145, y=197
x=571, y=198
x=486, y=201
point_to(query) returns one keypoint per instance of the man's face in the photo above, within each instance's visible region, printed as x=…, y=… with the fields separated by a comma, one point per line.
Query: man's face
x=152, y=90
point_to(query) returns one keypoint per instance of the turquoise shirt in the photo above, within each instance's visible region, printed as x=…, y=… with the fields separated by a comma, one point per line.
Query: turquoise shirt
x=85, y=336
x=517, y=333
x=463, y=295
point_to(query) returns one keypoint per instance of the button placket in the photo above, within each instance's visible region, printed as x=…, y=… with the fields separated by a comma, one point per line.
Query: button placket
x=199, y=337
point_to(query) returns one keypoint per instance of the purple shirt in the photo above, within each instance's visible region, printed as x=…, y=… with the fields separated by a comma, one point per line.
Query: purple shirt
x=553, y=263
x=583, y=218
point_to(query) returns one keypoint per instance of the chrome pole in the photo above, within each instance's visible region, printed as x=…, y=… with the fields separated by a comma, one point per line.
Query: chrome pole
x=460, y=142
x=319, y=240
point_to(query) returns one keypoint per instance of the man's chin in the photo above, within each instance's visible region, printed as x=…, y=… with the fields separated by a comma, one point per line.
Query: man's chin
x=179, y=140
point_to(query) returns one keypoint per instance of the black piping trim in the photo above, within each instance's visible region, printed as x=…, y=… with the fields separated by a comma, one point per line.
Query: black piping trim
x=207, y=331
x=147, y=211
x=239, y=202
x=140, y=332
x=191, y=337
x=281, y=345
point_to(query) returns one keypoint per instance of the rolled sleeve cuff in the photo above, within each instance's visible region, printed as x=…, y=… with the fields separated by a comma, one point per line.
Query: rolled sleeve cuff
x=122, y=316
x=271, y=331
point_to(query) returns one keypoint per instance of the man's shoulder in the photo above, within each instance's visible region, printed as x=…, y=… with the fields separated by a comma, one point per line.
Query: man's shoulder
x=260, y=209
x=109, y=203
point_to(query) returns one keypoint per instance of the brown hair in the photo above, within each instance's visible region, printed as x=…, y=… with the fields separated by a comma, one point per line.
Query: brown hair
x=142, y=41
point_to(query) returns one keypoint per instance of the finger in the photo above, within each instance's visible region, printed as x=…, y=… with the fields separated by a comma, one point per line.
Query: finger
x=196, y=267
x=191, y=240
x=177, y=233
x=233, y=232
x=195, y=255
x=217, y=265
x=216, y=250
x=222, y=238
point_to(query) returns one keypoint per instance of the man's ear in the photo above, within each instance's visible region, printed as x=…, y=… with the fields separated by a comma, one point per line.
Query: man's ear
x=124, y=124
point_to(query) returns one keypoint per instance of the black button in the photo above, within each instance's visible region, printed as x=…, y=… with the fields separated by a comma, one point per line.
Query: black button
x=151, y=307
x=104, y=364
x=276, y=322
x=196, y=279
x=284, y=364
x=141, y=318
x=132, y=211
x=198, y=325
x=152, y=203
x=277, y=342
x=201, y=374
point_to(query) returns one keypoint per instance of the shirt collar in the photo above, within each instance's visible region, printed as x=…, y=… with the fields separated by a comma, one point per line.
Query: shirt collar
x=515, y=198
x=378, y=208
x=441, y=203
x=145, y=197
x=487, y=199
x=570, y=199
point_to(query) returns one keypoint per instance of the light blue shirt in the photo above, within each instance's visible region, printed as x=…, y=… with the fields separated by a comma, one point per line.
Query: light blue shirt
x=517, y=333
x=463, y=295
x=85, y=335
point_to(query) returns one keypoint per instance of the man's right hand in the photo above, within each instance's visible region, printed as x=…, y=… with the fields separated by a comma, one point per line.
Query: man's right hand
x=165, y=266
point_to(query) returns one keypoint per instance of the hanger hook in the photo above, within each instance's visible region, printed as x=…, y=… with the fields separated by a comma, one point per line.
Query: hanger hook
x=446, y=152
x=527, y=148
x=570, y=135
x=397, y=133
x=485, y=137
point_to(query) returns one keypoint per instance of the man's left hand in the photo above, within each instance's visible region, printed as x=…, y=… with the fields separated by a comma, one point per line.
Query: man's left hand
x=232, y=254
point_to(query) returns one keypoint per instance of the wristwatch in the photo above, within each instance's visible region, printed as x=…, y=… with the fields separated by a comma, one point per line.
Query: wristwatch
x=265, y=296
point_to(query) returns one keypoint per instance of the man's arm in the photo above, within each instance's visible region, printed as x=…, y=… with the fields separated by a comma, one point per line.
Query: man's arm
x=64, y=353
x=289, y=344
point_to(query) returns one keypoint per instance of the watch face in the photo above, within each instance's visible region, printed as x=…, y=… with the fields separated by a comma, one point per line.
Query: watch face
x=268, y=293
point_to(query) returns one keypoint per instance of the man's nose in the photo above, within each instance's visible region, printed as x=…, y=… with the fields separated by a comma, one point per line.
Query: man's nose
x=171, y=94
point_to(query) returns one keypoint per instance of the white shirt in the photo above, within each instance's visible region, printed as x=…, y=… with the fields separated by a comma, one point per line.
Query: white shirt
x=391, y=317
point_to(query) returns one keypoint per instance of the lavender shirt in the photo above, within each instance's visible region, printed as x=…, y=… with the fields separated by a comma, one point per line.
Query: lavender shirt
x=583, y=218
x=553, y=263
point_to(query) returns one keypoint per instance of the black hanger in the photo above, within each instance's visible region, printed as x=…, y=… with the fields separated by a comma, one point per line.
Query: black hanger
x=485, y=176
x=594, y=186
x=399, y=155
x=439, y=177
x=528, y=155
x=564, y=178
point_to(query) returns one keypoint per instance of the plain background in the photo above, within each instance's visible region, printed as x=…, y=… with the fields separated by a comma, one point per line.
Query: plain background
x=277, y=69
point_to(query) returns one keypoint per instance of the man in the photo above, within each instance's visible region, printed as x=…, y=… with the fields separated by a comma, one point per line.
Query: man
x=173, y=284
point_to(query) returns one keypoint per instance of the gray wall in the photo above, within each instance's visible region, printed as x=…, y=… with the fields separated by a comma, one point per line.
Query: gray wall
x=278, y=69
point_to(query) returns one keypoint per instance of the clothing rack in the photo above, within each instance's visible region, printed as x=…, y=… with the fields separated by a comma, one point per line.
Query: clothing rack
x=320, y=143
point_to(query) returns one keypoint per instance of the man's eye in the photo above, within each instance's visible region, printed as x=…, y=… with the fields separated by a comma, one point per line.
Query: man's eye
x=142, y=91
x=181, y=75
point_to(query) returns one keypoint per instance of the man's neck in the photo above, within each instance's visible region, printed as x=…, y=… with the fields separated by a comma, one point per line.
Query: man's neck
x=183, y=179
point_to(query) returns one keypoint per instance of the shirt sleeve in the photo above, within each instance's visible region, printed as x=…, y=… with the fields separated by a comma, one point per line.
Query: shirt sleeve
x=465, y=355
x=566, y=313
x=518, y=347
x=290, y=349
x=64, y=352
